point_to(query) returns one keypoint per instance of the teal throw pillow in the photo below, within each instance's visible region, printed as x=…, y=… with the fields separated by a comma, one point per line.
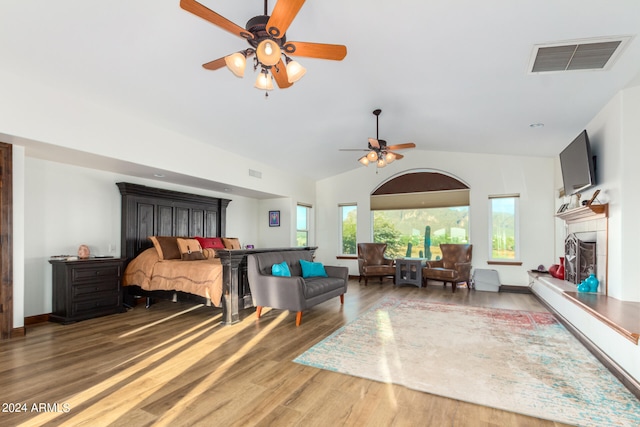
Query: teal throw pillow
x=312, y=269
x=281, y=269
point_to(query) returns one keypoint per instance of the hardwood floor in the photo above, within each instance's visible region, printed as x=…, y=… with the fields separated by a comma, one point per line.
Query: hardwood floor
x=175, y=365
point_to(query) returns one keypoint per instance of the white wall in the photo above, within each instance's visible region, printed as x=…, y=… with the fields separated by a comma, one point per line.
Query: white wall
x=65, y=206
x=614, y=134
x=531, y=177
x=276, y=237
x=47, y=115
x=18, y=235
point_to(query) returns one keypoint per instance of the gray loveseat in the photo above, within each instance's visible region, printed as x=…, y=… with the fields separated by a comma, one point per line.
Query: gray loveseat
x=293, y=293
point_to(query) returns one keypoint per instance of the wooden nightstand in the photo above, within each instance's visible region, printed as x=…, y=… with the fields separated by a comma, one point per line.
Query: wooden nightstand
x=84, y=289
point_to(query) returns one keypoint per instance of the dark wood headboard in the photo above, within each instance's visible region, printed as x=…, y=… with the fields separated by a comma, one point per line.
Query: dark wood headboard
x=148, y=211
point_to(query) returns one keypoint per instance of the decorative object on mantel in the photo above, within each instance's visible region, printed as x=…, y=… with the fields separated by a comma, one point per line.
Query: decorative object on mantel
x=557, y=270
x=575, y=201
x=593, y=282
x=563, y=207
x=83, y=252
x=593, y=197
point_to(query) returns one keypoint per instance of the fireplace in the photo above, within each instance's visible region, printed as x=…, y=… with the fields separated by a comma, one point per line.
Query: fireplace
x=580, y=258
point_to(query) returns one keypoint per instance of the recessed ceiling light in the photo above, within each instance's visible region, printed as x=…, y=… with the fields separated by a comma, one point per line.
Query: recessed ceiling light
x=158, y=175
x=536, y=125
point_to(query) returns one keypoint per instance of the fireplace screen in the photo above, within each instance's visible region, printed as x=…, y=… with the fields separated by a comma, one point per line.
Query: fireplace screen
x=579, y=260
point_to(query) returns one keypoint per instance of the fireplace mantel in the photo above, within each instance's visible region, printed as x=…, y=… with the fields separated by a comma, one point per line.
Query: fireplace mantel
x=585, y=213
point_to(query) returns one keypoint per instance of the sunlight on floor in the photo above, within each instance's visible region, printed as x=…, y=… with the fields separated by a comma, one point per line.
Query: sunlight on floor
x=157, y=322
x=179, y=407
x=140, y=381
x=385, y=334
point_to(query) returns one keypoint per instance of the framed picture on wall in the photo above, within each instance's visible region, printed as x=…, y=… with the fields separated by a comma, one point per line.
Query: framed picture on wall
x=274, y=218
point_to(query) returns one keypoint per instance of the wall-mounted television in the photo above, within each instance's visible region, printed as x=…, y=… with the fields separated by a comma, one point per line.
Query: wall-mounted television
x=578, y=165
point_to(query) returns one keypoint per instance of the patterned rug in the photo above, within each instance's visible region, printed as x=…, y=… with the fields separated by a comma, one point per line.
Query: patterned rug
x=519, y=361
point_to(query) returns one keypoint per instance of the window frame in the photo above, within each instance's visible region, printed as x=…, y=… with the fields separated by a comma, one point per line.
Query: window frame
x=341, y=207
x=516, y=232
x=306, y=230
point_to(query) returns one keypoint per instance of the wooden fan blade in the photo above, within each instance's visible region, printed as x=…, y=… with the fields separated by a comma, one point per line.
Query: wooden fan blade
x=398, y=156
x=374, y=143
x=335, y=52
x=402, y=146
x=215, y=65
x=282, y=16
x=280, y=75
x=209, y=15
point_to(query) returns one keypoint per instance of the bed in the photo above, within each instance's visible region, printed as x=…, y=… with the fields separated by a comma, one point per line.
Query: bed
x=148, y=212
x=153, y=220
x=202, y=278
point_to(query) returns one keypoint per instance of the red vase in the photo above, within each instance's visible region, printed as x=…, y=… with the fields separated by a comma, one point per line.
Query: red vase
x=558, y=272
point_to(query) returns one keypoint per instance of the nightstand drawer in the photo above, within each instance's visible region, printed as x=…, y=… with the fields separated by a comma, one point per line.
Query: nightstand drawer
x=104, y=303
x=84, y=274
x=85, y=290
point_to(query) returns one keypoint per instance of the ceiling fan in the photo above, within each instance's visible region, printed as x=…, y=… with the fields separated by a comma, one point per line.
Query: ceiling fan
x=266, y=36
x=379, y=151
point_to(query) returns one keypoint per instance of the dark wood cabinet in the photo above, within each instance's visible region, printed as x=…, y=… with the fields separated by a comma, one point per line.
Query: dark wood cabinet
x=84, y=289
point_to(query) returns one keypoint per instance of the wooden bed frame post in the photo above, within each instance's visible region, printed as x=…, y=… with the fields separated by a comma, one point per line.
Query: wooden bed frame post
x=230, y=272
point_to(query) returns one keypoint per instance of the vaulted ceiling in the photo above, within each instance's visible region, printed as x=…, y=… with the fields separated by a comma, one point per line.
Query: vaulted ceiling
x=448, y=75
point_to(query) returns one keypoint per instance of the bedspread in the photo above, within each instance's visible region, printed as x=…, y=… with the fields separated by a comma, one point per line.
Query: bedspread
x=202, y=277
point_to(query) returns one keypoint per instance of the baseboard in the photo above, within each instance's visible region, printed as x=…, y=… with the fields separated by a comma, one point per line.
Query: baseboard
x=627, y=380
x=515, y=289
x=18, y=332
x=34, y=320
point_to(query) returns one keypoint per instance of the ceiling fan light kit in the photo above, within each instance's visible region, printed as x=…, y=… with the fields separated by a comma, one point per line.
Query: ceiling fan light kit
x=267, y=37
x=236, y=63
x=378, y=150
x=264, y=82
x=268, y=52
x=364, y=160
x=295, y=71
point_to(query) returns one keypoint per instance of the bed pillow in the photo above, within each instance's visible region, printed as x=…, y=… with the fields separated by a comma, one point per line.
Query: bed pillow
x=231, y=243
x=312, y=269
x=166, y=246
x=210, y=242
x=281, y=269
x=190, y=250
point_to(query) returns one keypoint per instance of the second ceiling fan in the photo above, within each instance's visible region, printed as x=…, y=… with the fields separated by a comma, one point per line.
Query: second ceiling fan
x=268, y=42
x=379, y=152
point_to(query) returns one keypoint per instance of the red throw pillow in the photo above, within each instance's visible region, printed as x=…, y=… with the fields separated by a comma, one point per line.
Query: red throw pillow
x=210, y=242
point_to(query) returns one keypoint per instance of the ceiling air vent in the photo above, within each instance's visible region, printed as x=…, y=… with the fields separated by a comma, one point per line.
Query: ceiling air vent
x=590, y=54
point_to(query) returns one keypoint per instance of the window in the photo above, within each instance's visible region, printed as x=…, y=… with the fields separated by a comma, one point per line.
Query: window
x=418, y=233
x=503, y=227
x=302, y=225
x=348, y=222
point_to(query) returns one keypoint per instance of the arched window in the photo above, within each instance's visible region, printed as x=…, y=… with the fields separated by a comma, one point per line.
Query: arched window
x=416, y=211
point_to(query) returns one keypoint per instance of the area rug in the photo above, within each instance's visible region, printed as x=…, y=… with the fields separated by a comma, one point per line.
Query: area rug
x=519, y=361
